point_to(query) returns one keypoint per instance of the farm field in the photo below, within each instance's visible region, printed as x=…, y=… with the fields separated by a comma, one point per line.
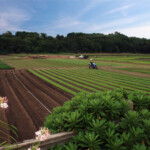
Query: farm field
x=4, y=66
x=78, y=80
x=24, y=111
x=143, y=59
x=54, y=81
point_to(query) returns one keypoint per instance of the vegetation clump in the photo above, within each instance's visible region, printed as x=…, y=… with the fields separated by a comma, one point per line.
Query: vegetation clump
x=4, y=66
x=104, y=120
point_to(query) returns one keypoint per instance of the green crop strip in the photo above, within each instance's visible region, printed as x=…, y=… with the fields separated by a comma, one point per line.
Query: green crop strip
x=135, y=70
x=121, y=81
x=85, y=80
x=71, y=81
x=4, y=66
x=104, y=84
x=125, y=77
x=51, y=82
x=60, y=81
x=128, y=78
x=81, y=80
x=131, y=88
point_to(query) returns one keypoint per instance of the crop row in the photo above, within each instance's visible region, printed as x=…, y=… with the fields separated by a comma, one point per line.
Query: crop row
x=107, y=80
x=78, y=80
x=140, y=70
x=4, y=66
x=118, y=78
x=125, y=77
x=101, y=80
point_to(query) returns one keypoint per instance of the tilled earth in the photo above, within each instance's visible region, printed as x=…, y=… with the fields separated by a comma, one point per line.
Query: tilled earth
x=24, y=111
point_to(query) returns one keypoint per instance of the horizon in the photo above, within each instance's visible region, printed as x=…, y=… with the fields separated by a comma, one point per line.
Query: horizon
x=54, y=17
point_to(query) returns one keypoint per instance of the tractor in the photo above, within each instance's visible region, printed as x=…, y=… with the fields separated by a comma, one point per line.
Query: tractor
x=92, y=65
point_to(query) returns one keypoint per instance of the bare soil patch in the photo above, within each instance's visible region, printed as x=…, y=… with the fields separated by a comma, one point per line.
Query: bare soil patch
x=24, y=112
x=47, y=56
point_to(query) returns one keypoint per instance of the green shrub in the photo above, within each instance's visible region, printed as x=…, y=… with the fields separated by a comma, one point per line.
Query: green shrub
x=104, y=121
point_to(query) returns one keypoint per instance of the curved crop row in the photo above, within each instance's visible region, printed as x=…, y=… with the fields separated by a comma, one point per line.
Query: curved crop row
x=54, y=83
x=70, y=78
x=61, y=81
x=112, y=80
x=97, y=80
x=80, y=80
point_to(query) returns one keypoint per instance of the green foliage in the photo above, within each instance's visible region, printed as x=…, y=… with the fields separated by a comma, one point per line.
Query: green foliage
x=6, y=127
x=71, y=146
x=115, y=144
x=73, y=121
x=139, y=147
x=4, y=66
x=98, y=126
x=88, y=140
x=104, y=121
x=33, y=42
x=130, y=119
x=140, y=100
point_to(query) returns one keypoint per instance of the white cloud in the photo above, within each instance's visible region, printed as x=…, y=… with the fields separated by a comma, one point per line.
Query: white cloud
x=120, y=9
x=66, y=22
x=141, y=31
x=90, y=5
x=12, y=18
x=112, y=24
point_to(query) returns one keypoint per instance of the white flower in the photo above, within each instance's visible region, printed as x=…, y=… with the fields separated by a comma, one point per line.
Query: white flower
x=38, y=132
x=4, y=105
x=42, y=134
x=33, y=147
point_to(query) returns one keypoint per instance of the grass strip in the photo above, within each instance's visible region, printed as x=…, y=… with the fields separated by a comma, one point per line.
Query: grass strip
x=76, y=83
x=4, y=66
x=60, y=81
x=126, y=78
x=92, y=82
x=99, y=80
x=88, y=81
x=51, y=82
x=135, y=70
x=121, y=81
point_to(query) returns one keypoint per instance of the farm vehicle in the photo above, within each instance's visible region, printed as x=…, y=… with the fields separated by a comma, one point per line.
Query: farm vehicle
x=92, y=65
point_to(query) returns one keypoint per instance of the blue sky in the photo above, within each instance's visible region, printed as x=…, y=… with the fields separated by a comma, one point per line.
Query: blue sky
x=130, y=17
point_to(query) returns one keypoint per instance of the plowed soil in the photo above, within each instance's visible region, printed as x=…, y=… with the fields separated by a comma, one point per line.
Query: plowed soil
x=24, y=111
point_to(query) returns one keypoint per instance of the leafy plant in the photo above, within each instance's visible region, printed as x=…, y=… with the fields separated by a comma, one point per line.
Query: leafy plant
x=115, y=144
x=57, y=147
x=131, y=119
x=88, y=140
x=139, y=147
x=137, y=134
x=73, y=121
x=139, y=99
x=71, y=146
x=103, y=121
x=98, y=126
x=112, y=109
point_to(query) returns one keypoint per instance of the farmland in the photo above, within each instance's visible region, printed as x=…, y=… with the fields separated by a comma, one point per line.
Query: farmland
x=4, y=66
x=54, y=81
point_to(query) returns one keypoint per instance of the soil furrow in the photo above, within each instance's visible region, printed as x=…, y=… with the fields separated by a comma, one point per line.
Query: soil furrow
x=56, y=96
x=17, y=115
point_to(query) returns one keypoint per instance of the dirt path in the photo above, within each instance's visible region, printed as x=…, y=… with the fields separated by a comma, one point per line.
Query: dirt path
x=24, y=112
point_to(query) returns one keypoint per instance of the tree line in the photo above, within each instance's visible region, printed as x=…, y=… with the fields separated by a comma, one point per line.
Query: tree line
x=33, y=42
